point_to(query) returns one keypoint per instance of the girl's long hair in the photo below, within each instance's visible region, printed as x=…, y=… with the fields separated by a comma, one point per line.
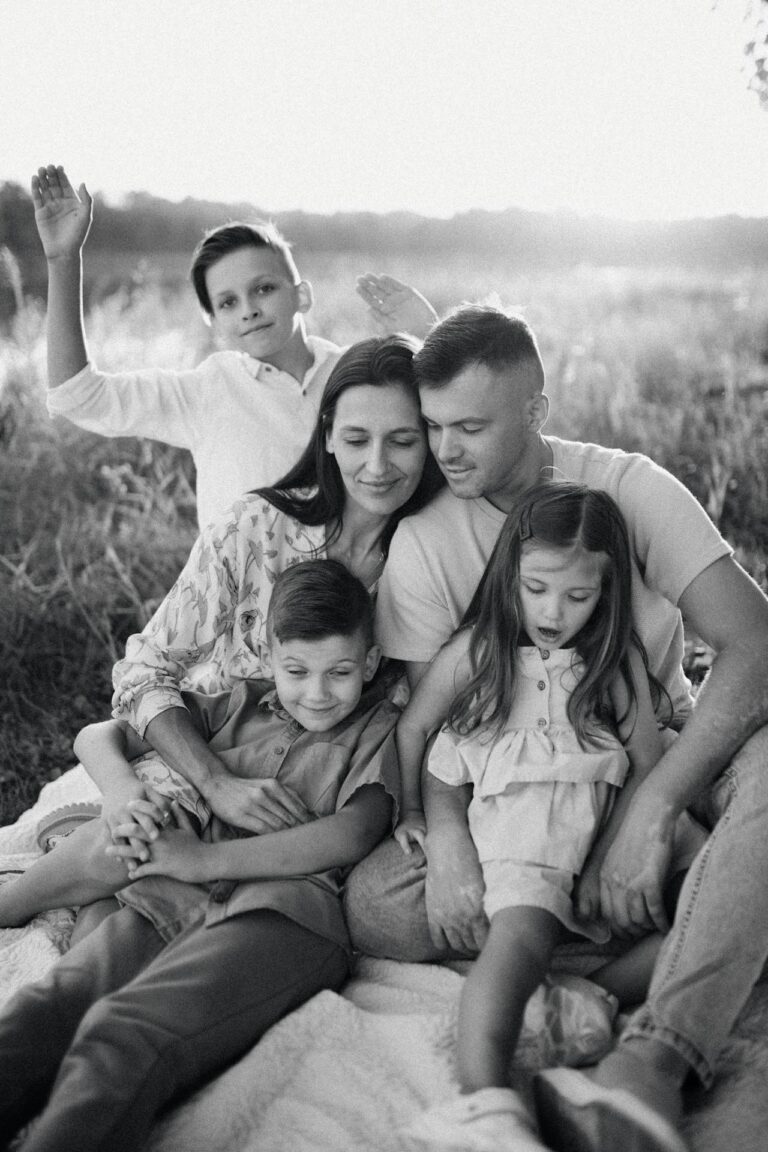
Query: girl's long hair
x=557, y=514
x=313, y=491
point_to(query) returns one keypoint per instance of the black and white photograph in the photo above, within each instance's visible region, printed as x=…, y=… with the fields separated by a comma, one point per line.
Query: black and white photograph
x=384, y=448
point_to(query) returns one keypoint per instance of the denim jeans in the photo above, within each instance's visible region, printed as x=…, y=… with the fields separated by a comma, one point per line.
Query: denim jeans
x=713, y=955
x=718, y=945
x=125, y=1024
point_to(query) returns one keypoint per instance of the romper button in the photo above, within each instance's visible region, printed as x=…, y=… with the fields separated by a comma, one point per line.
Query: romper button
x=545, y=653
x=541, y=722
x=541, y=685
x=219, y=895
x=279, y=751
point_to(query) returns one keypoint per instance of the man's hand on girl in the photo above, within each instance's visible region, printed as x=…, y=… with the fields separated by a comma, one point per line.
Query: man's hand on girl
x=636, y=867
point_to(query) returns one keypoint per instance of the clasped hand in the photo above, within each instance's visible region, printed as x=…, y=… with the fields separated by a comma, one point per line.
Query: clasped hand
x=169, y=843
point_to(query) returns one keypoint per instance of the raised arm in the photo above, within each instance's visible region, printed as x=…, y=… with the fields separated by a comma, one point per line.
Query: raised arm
x=426, y=710
x=395, y=306
x=63, y=218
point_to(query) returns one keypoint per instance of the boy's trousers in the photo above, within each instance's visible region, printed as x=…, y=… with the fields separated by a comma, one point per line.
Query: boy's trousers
x=125, y=1024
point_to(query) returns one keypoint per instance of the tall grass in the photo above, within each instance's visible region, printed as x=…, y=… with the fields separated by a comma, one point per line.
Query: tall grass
x=93, y=531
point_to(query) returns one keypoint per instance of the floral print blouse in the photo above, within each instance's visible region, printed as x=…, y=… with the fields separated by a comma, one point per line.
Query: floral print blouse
x=207, y=633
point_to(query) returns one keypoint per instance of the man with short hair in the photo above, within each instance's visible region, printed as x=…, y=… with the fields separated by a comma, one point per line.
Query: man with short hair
x=481, y=387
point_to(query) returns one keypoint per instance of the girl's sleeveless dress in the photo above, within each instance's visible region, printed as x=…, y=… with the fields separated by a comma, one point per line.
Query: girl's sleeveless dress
x=538, y=797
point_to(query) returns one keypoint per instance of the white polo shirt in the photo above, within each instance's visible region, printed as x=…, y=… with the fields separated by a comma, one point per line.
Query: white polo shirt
x=244, y=421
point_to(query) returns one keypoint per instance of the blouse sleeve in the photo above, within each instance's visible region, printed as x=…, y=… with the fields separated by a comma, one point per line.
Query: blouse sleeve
x=195, y=621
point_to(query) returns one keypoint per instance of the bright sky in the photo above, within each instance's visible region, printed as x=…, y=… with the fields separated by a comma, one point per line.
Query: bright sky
x=629, y=108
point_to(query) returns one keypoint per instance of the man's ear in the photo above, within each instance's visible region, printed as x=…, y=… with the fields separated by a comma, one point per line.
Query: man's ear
x=537, y=410
x=372, y=658
x=306, y=296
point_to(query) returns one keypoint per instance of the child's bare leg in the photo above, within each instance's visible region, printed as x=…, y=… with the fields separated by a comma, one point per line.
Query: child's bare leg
x=628, y=977
x=512, y=964
x=75, y=872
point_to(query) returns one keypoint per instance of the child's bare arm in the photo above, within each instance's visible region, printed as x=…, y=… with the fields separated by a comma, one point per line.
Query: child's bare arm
x=395, y=306
x=643, y=744
x=333, y=841
x=63, y=218
x=425, y=712
x=105, y=751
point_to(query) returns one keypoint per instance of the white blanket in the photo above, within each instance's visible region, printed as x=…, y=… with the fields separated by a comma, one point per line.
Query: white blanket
x=345, y=1072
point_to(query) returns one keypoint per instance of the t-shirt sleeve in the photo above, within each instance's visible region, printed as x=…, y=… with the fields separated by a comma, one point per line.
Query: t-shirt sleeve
x=156, y=403
x=374, y=760
x=673, y=537
x=413, y=617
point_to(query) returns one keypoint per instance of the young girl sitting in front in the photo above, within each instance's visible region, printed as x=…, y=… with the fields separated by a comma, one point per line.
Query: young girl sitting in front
x=550, y=707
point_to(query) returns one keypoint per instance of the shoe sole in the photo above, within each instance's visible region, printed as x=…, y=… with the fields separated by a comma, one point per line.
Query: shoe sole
x=577, y=1115
x=64, y=820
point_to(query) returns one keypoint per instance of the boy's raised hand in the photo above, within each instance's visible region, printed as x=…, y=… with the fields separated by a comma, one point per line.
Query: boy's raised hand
x=63, y=216
x=395, y=306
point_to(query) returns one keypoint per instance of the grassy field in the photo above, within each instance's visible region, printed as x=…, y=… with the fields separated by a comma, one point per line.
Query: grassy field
x=93, y=532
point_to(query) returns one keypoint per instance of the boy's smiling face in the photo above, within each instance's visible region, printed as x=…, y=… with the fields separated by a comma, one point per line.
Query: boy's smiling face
x=257, y=307
x=320, y=682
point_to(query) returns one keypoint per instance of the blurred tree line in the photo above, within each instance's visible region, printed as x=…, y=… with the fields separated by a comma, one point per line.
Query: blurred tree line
x=146, y=225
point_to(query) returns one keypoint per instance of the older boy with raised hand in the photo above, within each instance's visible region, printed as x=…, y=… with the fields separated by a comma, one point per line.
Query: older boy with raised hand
x=481, y=385
x=221, y=935
x=247, y=411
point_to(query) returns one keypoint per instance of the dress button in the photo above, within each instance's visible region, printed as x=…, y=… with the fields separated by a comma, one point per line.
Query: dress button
x=545, y=653
x=541, y=685
x=279, y=751
x=542, y=723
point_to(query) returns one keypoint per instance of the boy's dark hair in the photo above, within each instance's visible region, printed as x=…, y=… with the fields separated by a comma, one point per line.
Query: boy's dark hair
x=474, y=334
x=319, y=598
x=229, y=238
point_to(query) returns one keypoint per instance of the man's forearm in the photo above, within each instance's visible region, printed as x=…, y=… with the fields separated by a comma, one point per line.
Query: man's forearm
x=732, y=705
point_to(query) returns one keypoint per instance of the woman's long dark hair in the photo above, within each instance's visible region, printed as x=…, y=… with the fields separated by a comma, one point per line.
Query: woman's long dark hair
x=313, y=491
x=558, y=514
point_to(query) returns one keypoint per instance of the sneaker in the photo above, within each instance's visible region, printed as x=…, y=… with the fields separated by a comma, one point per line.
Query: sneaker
x=568, y=1020
x=491, y=1120
x=63, y=821
x=578, y=1115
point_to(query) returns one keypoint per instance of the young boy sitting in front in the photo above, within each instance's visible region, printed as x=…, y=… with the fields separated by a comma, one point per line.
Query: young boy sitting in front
x=247, y=411
x=221, y=934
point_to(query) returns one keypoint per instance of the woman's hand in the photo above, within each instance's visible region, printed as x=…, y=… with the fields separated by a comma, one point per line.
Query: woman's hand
x=256, y=805
x=178, y=852
x=131, y=803
x=412, y=829
x=63, y=216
